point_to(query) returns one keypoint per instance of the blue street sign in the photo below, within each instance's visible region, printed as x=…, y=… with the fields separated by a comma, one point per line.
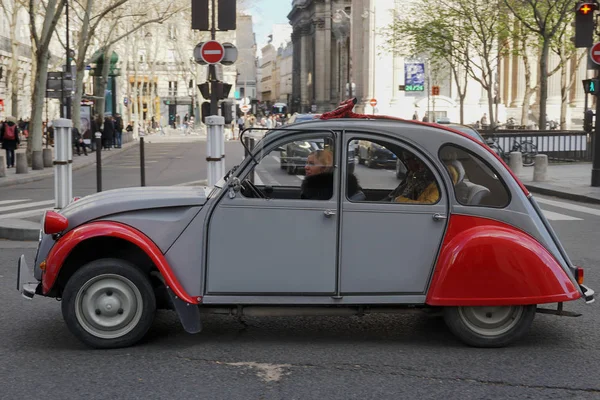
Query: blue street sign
x=414, y=77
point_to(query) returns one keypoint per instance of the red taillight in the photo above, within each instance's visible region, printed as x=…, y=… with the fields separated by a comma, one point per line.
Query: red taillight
x=54, y=223
x=580, y=275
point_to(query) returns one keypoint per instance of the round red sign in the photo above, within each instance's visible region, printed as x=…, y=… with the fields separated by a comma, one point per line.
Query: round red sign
x=212, y=52
x=373, y=102
x=595, y=53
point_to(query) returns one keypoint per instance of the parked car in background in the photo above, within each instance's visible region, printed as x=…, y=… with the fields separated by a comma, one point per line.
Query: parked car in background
x=374, y=155
x=302, y=118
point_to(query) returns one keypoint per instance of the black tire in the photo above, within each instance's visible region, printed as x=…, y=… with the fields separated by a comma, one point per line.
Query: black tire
x=114, y=271
x=460, y=322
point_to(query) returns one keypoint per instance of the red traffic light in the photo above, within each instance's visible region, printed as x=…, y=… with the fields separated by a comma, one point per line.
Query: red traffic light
x=586, y=8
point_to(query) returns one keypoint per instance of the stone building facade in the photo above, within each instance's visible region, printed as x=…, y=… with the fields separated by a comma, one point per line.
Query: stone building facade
x=317, y=85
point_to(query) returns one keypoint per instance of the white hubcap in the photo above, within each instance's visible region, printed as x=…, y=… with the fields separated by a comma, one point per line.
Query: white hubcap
x=108, y=306
x=491, y=321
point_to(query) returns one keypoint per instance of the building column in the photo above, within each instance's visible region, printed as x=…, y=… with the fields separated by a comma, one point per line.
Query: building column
x=554, y=80
x=518, y=85
x=506, y=80
x=577, y=95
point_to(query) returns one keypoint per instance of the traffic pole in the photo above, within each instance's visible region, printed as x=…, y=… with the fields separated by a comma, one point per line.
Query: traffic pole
x=212, y=69
x=142, y=162
x=98, y=161
x=596, y=145
x=63, y=163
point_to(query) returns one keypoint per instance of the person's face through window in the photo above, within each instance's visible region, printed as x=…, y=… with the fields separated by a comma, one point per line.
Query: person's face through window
x=317, y=163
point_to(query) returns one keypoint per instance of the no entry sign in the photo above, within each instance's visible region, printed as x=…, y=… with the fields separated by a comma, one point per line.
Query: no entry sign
x=595, y=53
x=373, y=102
x=212, y=52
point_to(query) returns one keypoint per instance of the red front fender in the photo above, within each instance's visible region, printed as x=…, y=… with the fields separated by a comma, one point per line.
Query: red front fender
x=67, y=243
x=487, y=263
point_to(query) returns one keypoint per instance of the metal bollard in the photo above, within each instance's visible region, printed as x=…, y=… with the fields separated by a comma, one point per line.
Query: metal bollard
x=142, y=162
x=98, y=161
x=516, y=162
x=21, y=163
x=540, y=168
x=215, y=149
x=63, y=163
x=47, y=156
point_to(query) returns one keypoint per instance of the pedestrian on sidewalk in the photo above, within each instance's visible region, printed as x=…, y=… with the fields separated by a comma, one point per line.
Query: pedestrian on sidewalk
x=78, y=141
x=119, y=131
x=109, y=133
x=9, y=136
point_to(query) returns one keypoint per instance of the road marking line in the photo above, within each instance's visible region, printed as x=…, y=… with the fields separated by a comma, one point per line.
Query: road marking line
x=276, y=159
x=27, y=205
x=13, y=201
x=25, y=214
x=553, y=216
x=569, y=206
x=300, y=177
x=257, y=180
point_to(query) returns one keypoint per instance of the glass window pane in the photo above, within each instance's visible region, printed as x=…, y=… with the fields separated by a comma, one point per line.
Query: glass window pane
x=475, y=182
x=380, y=171
x=298, y=169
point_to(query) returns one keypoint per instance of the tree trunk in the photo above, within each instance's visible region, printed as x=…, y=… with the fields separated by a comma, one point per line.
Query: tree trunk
x=14, y=63
x=82, y=47
x=543, y=82
x=34, y=143
x=564, y=92
x=490, y=96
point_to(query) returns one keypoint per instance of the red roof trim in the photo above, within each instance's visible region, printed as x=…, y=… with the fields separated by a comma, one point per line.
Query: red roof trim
x=345, y=110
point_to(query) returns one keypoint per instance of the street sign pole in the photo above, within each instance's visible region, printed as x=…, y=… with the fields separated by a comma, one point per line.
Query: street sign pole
x=594, y=55
x=212, y=69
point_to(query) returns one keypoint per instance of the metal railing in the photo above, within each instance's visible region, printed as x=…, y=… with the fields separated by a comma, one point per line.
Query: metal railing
x=559, y=146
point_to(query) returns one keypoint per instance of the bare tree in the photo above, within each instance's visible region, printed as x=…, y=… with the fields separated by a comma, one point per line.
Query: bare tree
x=545, y=18
x=41, y=38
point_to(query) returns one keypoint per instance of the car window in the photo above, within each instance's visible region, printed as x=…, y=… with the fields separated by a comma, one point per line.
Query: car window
x=475, y=182
x=381, y=171
x=296, y=169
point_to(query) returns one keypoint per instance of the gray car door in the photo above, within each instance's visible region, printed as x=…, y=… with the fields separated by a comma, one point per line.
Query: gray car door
x=275, y=246
x=388, y=247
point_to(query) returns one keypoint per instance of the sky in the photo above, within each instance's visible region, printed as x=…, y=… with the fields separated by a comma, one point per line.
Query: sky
x=265, y=13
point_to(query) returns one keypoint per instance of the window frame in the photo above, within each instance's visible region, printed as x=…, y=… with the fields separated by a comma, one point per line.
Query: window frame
x=484, y=162
x=357, y=135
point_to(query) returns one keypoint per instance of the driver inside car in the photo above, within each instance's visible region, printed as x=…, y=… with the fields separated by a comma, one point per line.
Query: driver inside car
x=318, y=183
x=419, y=186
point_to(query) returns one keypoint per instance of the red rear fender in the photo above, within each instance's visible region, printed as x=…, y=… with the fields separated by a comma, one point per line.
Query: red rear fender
x=67, y=243
x=485, y=262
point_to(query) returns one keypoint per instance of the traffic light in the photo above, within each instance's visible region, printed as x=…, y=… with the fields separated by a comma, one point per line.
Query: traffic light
x=592, y=86
x=584, y=24
x=205, y=111
x=435, y=90
x=588, y=117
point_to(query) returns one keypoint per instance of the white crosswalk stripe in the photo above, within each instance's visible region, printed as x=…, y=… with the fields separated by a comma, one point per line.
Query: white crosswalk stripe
x=554, y=216
x=24, y=208
x=569, y=206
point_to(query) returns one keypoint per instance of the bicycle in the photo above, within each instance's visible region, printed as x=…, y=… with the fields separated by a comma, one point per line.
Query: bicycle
x=526, y=147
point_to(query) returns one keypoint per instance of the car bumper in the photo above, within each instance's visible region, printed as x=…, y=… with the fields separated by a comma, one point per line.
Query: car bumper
x=588, y=294
x=26, y=282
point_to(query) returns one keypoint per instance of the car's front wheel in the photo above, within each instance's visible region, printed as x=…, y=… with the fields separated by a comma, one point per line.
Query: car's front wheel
x=109, y=303
x=489, y=326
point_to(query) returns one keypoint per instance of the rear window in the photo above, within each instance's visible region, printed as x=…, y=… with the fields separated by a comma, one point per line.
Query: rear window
x=475, y=182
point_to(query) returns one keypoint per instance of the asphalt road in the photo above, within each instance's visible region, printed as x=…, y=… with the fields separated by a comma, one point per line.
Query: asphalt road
x=374, y=357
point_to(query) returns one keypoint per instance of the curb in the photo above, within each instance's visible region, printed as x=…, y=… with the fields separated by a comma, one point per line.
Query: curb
x=19, y=230
x=50, y=172
x=562, y=195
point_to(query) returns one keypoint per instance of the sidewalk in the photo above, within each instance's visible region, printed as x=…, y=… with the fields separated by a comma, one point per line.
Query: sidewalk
x=12, y=178
x=567, y=181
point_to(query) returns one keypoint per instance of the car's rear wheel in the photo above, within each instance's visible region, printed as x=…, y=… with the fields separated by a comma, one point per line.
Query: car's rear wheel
x=109, y=303
x=495, y=326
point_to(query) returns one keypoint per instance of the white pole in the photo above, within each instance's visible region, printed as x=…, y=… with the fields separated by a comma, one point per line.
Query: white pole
x=215, y=148
x=63, y=163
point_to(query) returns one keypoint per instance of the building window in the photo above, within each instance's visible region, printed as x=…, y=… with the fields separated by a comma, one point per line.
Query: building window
x=172, y=88
x=142, y=56
x=171, y=56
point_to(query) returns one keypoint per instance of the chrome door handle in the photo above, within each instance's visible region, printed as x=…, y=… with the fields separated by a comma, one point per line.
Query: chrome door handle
x=439, y=217
x=329, y=213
